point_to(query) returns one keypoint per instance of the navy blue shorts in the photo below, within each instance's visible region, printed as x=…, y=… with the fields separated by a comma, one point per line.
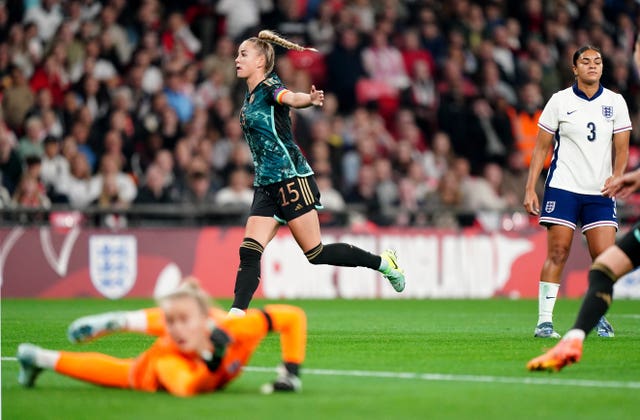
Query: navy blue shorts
x=561, y=207
x=286, y=200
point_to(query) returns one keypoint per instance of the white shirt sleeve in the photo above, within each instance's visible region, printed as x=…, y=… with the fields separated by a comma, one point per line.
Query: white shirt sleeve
x=621, y=121
x=548, y=120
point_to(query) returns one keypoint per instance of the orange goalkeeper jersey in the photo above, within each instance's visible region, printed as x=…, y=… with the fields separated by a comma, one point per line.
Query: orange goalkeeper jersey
x=164, y=367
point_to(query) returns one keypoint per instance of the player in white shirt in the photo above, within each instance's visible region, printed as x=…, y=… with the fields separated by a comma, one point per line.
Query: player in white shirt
x=591, y=126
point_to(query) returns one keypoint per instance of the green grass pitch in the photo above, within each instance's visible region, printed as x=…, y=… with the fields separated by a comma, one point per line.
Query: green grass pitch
x=405, y=359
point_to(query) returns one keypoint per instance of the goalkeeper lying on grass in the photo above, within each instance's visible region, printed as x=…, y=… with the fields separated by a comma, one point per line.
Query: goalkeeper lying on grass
x=199, y=349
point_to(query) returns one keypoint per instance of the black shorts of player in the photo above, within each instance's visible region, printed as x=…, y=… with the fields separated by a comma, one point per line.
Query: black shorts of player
x=630, y=244
x=286, y=200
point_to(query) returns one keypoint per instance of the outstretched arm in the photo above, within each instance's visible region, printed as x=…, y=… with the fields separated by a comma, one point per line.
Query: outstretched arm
x=303, y=100
x=147, y=321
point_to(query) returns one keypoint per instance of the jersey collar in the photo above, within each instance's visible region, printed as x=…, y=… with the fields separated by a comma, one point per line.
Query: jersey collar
x=581, y=94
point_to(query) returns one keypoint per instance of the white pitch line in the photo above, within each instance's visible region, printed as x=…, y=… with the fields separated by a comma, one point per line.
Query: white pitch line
x=446, y=377
x=586, y=383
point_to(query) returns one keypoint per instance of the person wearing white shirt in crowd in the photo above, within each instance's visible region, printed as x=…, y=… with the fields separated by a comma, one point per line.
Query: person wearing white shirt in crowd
x=55, y=167
x=241, y=15
x=77, y=186
x=47, y=17
x=110, y=167
x=592, y=127
x=238, y=192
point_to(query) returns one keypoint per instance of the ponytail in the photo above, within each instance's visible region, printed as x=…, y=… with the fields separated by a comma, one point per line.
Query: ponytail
x=263, y=43
x=274, y=38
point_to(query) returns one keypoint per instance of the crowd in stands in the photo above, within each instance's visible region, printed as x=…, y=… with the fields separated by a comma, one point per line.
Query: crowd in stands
x=430, y=105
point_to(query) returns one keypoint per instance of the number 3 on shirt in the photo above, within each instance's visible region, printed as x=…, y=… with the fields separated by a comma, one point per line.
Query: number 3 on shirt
x=592, y=131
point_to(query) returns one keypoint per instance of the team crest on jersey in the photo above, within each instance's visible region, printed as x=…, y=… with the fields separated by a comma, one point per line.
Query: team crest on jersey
x=607, y=111
x=550, y=206
x=113, y=264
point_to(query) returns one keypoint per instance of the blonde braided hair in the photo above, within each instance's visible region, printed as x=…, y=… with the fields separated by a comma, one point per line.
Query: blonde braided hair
x=263, y=43
x=284, y=43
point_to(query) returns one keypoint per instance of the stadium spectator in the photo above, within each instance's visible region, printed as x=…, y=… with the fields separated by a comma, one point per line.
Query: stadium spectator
x=80, y=132
x=113, y=147
x=239, y=158
x=493, y=139
x=31, y=143
x=55, y=167
x=151, y=78
x=363, y=15
x=438, y=159
x=73, y=48
x=239, y=192
x=422, y=97
x=17, y=99
x=413, y=53
x=431, y=35
x=383, y=62
x=241, y=16
x=211, y=89
x=79, y=186
x=365, y=195
x=43, y=102
x=179, y=35
x=115, y=34
x=326, y=148
x=177, y=99
x=445, y=202
x=52, y=75
x=493, y=87
x=198, y=349
x=345, y=68
x=94, y=96
x=47, y=16
x=98, y=66
x=524, y=120
x=111, y=166
x=222, y=60
x=24, y=48
x=332, y=200
x=165, y=162
x=110, y=198
x=412, y=192
x=320, y=29
x=10, y=160
x=5, y=198
x=29, y=195
x=199, y=190
x=387, y=191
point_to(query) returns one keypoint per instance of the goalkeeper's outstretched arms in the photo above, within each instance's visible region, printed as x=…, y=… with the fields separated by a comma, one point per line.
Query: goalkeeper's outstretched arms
x=148, y=321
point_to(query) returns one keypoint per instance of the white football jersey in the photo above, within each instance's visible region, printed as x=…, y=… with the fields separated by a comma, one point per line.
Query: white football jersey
x=584, y=129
